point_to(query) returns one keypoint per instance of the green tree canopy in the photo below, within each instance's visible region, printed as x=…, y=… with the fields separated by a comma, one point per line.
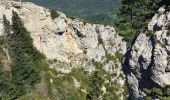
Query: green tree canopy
x=134, y=16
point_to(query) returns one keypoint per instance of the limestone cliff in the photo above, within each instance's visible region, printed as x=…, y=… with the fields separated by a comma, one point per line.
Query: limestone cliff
x=70, y=43
x=65, y=39
x=147, y=62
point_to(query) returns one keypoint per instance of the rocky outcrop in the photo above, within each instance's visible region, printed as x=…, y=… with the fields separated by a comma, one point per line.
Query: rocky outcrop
x=68, y=43
x=147, y=62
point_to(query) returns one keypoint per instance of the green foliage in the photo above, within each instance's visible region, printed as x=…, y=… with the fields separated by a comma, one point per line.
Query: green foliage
x=119, y=56
x=111, y=87
x=161, y=93
x=111, y=96
x=165, y=2
x=32, y=96
x=7, y=27
x=71, y=17
x=134, y=16
x=24, y=74
x=96, y=82
x=81, y=76
x=54, y=14
x=96, y=11
x=125, y=92
x=105, y=19
x=111, y=93
x=63, y=86
x=149, y=33
x=126, y=31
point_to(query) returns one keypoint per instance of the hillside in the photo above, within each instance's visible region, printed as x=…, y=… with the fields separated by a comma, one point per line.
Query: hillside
x=51, y=56
x=46, y=54
x=94, y=10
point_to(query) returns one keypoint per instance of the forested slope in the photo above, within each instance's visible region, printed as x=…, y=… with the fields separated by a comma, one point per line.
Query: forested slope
x=96, y=11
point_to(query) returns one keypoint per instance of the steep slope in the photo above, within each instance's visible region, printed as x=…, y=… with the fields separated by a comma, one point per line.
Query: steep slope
x=147, y=62
x=69, y=46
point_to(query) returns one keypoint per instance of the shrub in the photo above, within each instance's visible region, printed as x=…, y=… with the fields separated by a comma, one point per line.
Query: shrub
x=161, y=93
x=149, y=33
x=54, y=14
x=168, y=26
x=96, y=82
x=71, y=17
x=119, y=56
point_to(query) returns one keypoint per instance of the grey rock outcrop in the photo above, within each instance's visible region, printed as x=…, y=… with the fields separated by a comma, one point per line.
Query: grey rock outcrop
x=68, y=43
x=147, y=62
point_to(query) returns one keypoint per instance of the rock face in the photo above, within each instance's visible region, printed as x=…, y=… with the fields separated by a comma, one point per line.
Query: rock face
x=68, y=43
x=147, y=62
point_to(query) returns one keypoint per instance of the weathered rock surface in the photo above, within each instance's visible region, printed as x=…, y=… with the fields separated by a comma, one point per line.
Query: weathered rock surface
x=68, y=43
x=147, y=62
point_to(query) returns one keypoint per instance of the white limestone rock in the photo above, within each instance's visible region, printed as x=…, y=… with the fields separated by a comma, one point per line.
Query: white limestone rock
x=147, y=62
x=69, y=41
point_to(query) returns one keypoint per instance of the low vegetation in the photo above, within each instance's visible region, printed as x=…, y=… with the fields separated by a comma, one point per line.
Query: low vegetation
x=54, y=14
x=158, y=92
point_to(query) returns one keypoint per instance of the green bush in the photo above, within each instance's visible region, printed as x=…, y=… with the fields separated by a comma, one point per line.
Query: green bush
x=149, y=33
x=160, y=93
x=71, y=17
x=96, y=82
x=119, y=56
x=54, y=14
x=63, y=86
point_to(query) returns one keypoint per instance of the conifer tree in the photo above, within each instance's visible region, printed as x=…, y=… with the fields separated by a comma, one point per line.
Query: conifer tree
x=134, y=16
x=166, y=3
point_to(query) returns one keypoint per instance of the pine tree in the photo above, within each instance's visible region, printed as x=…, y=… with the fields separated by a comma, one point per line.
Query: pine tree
x=7, y=27
x=166, y=3
x=134, y=16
